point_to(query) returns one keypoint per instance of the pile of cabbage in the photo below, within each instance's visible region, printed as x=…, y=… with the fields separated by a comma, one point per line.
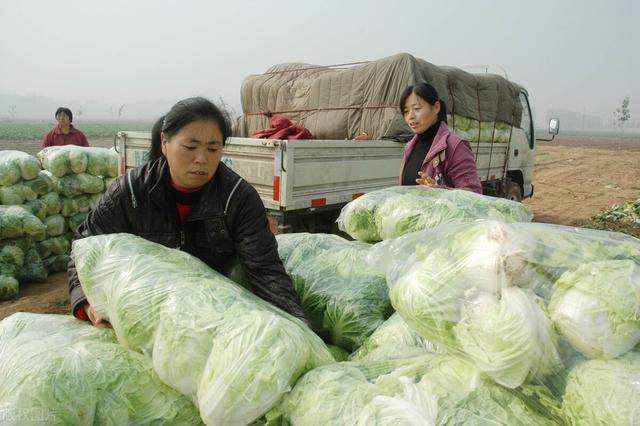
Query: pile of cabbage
x=21, y=233
x=232, y=353
x=480, y=131
x=527, y=305
x=27, y=246
x=40, y=209
x=396, y=211
x=343, y=299
x=57, y=370
x=81, y=175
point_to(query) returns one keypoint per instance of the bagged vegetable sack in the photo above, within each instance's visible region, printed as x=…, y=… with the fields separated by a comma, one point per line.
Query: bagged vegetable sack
x=343, y=298
x=399, y=210
x=56, y=370
x=509, y=295
x=233, y=353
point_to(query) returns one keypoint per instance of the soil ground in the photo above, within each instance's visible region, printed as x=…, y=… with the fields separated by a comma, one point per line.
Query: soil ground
x=575, y=179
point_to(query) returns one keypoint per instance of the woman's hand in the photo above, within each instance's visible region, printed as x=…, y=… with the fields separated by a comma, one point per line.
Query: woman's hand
x=426, y=180
x=95, y=319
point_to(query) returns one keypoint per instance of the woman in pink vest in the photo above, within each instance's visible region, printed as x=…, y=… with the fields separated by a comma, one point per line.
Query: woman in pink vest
x=435, y=156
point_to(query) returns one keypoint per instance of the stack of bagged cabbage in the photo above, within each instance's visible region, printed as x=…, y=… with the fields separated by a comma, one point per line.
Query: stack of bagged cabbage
x=26, y=204
x=231, y=354
x=81, y=176
x=496, y=322
x=39, y=208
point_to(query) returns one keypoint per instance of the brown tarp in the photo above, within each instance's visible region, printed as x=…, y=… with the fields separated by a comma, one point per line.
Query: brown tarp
x=342, y=103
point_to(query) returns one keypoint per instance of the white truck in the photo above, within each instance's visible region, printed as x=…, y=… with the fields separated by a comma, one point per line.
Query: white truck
x=305, y=183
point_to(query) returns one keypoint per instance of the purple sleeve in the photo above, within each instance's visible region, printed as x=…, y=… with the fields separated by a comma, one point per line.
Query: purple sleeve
x=461, y=169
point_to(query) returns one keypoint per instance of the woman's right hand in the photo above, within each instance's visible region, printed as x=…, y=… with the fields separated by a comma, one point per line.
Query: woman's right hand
x=95, y=318
x=426, y=180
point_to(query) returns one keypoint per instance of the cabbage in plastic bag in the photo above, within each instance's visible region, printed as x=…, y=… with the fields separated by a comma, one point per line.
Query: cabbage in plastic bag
x=38, y=208
x=16, y=165
x=344, y=300
x=483, y=289
x=16, y=221
x=56, y=225
x=346, y=393
x=41, y=184
x=77, y=184
x=68, y=372
x=396, y=211
x=604, y=392
x=64, y=160
x=68, y=206
x=51, y=201
x=76, y=220
x=8, y=287
x=16, y=194
x=33, y=269
x=596, y=307
x=491, y=404
x=56, y=263
x=207, y=337
x=54, y=246
x=393, y=339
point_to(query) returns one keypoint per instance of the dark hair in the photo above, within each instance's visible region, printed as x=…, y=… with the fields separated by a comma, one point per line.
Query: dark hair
x=429, y=94
x=66, y=111
x=182, y=113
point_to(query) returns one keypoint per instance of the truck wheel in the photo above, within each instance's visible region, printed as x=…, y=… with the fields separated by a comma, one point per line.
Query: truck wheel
x=515, y=192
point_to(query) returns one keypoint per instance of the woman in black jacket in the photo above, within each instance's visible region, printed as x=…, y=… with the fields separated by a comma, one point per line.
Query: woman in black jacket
x=185, y=197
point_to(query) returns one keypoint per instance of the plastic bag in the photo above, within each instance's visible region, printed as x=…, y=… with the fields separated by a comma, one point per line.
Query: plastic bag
x=71, y=159
x=523, y=301
x=392, y=212
x=16, y=165
x=57, y=370
x=344, y=300
x=18, y=221
x=207, y=337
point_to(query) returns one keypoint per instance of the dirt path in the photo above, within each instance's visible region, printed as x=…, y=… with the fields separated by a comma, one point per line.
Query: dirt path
x=573, y=184
x=575, y=179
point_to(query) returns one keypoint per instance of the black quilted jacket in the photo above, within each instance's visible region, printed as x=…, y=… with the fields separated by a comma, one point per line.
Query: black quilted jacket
x=228, y=223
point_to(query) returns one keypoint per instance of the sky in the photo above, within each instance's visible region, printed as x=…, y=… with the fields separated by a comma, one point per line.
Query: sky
x=575, y=55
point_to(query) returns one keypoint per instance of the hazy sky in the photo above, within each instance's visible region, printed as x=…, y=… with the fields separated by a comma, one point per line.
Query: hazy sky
x=579, y=55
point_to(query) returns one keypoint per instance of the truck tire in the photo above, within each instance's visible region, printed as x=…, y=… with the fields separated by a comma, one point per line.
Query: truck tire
x=515, y=192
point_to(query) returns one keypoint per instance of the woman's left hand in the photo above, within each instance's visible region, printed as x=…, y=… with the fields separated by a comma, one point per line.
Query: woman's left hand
x=426, y=180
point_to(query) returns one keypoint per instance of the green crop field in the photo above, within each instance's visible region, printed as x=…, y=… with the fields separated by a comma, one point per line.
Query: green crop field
x=34, y=130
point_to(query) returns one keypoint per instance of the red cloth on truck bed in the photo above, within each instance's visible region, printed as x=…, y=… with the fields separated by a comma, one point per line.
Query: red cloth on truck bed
x=282, y=128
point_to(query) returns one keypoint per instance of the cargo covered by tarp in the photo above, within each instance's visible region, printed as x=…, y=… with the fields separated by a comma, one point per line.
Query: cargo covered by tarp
x=342, y=103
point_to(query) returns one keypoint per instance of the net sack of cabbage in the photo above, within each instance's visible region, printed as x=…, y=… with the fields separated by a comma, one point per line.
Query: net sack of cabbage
x=72, y=159
x=62, y=371
x=16, y=166
x=392, y=212
x=18, y=221
x=498, y=292
x=345, y=301
x=233, y=353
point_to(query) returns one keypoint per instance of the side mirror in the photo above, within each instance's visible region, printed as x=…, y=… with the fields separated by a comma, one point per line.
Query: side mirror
x=554, y=129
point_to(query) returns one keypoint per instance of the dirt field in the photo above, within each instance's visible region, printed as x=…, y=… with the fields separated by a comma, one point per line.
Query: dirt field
x=575, y=179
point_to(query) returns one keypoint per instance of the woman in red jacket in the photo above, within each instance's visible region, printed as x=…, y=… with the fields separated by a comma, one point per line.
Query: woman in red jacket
x=64, y=133
x=435, y=156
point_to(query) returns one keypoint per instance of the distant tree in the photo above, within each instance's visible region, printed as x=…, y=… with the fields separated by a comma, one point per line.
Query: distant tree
x=12, y=112
x=120, y=110
x=79, y=113
x=622, y=114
